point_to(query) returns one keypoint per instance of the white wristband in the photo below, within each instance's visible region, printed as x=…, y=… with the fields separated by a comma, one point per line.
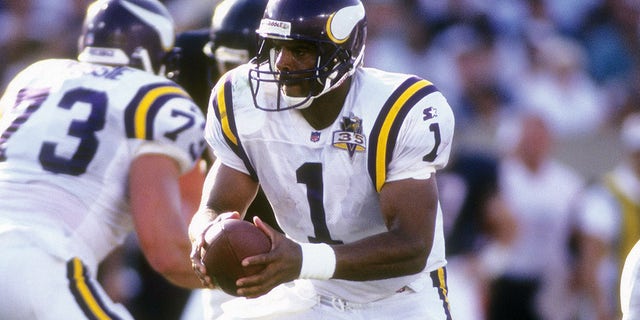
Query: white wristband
x=318, y=261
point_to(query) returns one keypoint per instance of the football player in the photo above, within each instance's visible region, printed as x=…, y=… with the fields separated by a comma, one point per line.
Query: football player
x=91, y=150
x=205, y=54
x=230, y=41
x=347, y=157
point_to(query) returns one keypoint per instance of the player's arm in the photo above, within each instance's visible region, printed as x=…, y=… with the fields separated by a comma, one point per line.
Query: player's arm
x=166, y=145
x=408, y=199
x=225, y=190
x=191, y=189
x=227, y=193
x=409, y=208
x=156, y=209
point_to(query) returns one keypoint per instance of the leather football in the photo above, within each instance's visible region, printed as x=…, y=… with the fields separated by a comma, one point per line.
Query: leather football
x=228, y=243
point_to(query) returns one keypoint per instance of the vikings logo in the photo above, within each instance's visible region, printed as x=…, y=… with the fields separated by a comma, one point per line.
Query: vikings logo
x=350, y=138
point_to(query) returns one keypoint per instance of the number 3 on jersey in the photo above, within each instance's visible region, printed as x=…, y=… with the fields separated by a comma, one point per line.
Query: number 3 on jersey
x=82, y=129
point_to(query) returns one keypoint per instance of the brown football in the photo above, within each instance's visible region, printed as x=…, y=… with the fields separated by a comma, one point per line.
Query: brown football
x=228, y=243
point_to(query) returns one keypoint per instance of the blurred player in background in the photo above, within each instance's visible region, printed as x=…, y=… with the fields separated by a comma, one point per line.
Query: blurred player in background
x=91, y=150
x=531, y=274
x=475, y=215
x=205, y=55
x=346, y=155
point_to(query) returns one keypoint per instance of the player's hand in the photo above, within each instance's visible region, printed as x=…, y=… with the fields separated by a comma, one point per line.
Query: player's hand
x=282, y=264
x=198, y=249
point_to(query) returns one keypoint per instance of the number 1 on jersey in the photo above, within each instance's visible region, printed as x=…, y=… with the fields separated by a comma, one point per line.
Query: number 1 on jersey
x=310, y=174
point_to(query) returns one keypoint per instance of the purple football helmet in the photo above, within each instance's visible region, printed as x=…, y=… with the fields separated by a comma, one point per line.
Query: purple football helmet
x=137, y=33
x=337, y=28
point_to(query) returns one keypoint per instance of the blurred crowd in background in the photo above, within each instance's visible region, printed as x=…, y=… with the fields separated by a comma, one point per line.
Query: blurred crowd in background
x=574, y=61
x=540, y=90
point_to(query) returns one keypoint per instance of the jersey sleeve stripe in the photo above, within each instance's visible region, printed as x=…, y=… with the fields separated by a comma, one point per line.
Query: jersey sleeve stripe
x=439, y=281
x=141, y=111
x=85, y=293
x=223, y=108
x=223, y=114
x=385, y=130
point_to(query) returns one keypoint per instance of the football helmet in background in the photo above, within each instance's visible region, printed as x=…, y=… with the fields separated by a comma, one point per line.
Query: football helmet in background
x=194, y=71
x=137, y=33
x=337, y=28
x=233, y=39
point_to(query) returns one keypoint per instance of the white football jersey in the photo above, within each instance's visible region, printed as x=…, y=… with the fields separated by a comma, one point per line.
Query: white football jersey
x=323, y=184
x=68, y=134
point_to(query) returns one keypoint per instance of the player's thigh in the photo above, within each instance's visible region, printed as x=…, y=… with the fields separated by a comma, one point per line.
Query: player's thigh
x=37, y=285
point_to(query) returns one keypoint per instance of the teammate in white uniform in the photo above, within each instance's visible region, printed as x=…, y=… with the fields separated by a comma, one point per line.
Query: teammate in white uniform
x=347, y=157
x=91, y=150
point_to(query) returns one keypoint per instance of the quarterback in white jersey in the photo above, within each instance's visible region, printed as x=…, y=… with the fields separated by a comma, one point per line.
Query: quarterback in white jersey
x=88, y=154
x=349, y=169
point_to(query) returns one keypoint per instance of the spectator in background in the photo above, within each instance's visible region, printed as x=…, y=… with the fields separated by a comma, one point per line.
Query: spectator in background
x=475, y=213
x=611, y=40
x=37, y=29
x=484, y=99
x=400, y=35
x=558, y=88
x=610, y=37
x=533, y=276
x=609, y=225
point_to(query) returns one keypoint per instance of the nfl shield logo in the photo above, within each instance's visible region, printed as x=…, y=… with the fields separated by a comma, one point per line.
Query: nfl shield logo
x=315, y=136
